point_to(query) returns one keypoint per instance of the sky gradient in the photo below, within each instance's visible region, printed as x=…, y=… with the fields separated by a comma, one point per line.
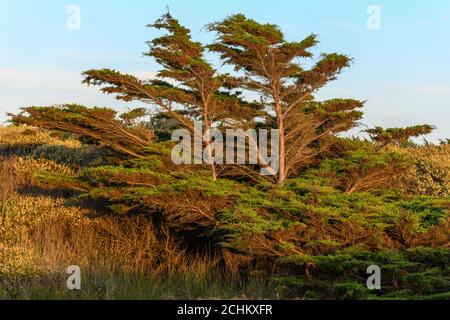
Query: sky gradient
x=402, y=70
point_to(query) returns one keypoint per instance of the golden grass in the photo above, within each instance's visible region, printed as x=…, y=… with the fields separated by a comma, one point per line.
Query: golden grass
x=42, y=234
x=122, y=257
x=16, y=136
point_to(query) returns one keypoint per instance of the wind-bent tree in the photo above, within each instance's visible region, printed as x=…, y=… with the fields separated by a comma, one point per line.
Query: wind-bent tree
x=268, y=64
x=122, y=134
x=187, y=88
x=385, y=137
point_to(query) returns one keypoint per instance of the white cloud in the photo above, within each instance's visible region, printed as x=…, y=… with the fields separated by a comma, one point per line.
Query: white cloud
x=13, y=79
x=20, y=88
x=431, y=89
x=389, y=104
x=341, y=24
x=433, y=23
x=144, y=75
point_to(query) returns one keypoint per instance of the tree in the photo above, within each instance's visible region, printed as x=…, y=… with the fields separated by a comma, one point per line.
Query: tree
x=187, y=88
x=123, y=134
x=320, y=229
x=385, y=137
x=268, y=64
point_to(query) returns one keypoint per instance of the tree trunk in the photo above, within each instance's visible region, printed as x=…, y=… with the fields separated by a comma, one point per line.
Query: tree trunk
x=208, y=143
x=282, y=149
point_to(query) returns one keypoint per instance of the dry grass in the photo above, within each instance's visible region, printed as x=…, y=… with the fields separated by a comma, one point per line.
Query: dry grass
x=41, y=235
x=44, y=232
x=25, y=136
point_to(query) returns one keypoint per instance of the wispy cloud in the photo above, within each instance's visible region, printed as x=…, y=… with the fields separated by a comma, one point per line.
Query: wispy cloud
x=11, y=79
x=444, y=19
x=341, y=24
x=79, y=55
x=429, y=89
x=144, y=74
x=20, y=88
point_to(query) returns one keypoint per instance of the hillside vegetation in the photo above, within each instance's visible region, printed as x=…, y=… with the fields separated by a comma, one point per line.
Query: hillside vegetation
x=91, y=187
x=307, y=239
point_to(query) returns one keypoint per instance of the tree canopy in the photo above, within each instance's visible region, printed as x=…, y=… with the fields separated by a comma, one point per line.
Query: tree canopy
x=337, y=204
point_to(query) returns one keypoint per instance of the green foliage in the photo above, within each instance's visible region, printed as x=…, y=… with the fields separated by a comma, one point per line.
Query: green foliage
x=340, y=205
x=405, y=275
x=97, y=125
x=270, y=66
x=323, y=237
x=363, y=167
x=397, y=135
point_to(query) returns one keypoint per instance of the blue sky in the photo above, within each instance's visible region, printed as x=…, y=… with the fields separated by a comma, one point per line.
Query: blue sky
x=402, y=69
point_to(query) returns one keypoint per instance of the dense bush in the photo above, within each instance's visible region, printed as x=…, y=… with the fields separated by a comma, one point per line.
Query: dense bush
x=312, y=235
x=336, y=206
x=430, y=174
